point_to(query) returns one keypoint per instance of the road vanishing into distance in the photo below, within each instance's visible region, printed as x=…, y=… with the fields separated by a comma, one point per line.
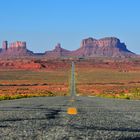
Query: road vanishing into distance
x=69, y=118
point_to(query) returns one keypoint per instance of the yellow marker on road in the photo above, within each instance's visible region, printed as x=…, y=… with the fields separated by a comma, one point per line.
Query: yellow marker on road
x=72, y=111
x=72, y=100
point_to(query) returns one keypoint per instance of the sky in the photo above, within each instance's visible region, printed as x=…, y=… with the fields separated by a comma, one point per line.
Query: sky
x=44, y=23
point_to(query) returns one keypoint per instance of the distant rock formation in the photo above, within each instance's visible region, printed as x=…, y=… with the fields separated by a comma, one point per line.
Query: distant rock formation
x=18, y=44
x=15, y=49
x=106, y=47
x=90, y=47
x=57, y=52
x=5, y=45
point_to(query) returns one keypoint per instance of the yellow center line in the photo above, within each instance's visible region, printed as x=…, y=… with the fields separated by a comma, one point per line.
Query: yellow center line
x=72, y=100
x=72, y=111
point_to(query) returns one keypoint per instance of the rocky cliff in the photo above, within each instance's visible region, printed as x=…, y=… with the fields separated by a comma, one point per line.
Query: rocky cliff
x=57, y=52
x=90, y=47
x=15, y=49
x=107, y=47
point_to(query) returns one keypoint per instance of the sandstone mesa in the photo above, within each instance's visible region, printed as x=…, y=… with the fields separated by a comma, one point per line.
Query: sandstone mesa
x=90, y=47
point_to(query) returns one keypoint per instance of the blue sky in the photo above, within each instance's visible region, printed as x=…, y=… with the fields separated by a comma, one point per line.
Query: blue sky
x=44, y=23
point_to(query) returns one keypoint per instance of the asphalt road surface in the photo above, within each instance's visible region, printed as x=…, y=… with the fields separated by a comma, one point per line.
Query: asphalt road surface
x=46, y=118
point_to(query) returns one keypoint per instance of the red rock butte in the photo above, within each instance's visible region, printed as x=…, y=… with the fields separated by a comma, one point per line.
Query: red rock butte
x=18, y=44
x=90, y=47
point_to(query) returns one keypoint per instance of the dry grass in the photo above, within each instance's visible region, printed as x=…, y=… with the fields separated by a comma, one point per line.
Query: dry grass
x=15, y=84
x=108, y=82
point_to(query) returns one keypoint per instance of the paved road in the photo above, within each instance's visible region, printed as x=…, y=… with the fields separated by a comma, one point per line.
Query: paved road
x=46, y=118
x=73, y=92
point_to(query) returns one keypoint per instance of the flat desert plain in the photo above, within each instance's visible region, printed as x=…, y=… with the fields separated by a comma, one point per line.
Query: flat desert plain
x=108, y=78
x=94, y=77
